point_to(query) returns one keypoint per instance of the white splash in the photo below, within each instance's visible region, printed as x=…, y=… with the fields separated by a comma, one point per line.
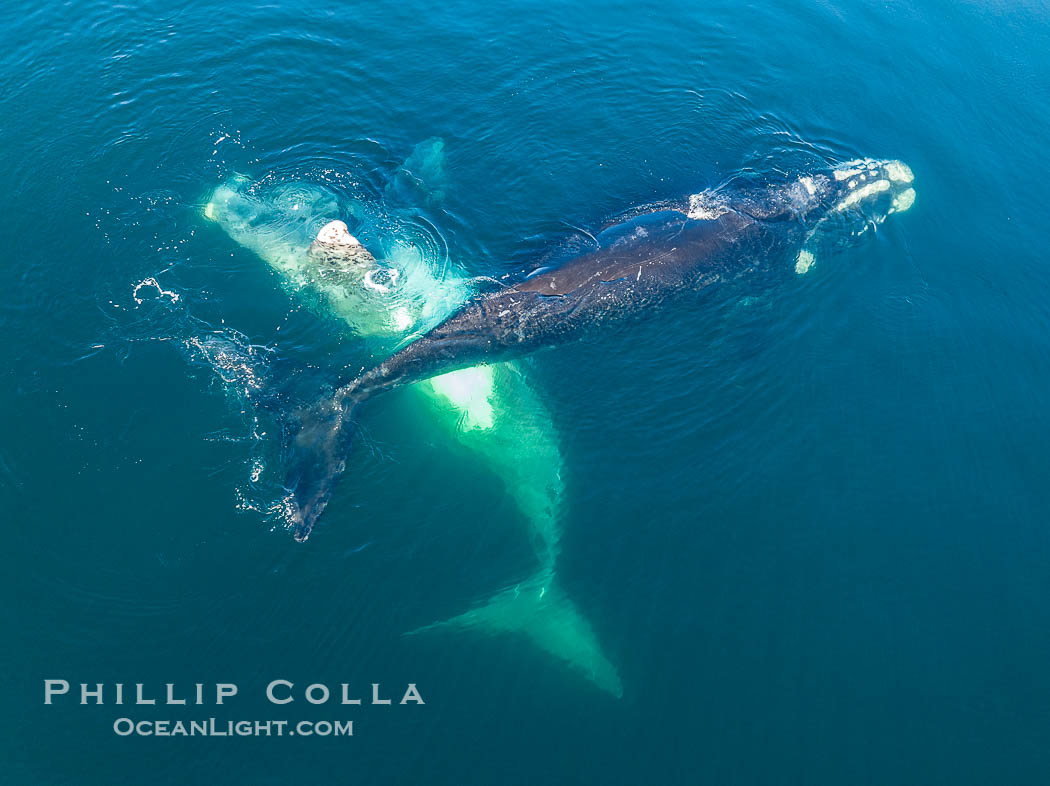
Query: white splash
x=705, y=206
x=161, y=292
x=371, y=283
x=402, y=319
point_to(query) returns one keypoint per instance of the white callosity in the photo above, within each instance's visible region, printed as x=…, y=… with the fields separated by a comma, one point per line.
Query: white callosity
x=336, y=233
x=864, y=192
x=805, y=261
x=899, y=172
x=903, y=201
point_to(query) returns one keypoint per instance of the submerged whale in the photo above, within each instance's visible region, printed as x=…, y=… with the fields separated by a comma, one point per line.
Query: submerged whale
x=492, y=410
x=642, y=264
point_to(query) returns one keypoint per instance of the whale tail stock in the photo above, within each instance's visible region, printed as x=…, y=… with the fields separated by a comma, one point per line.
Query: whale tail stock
x=317, y=456
x=541, y=611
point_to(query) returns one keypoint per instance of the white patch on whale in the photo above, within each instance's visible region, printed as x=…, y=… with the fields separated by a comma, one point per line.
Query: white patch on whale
x=469, y=390
x=903, y=201
x=871, y=189
x=805, y=261
x=334, y=233
x=899, y=172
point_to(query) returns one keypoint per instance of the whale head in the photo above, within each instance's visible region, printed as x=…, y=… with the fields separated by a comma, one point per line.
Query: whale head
x=865, y=186
x=862, y=192
x=844, y=203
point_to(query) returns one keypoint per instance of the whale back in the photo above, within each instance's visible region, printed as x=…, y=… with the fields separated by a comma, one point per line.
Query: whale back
x=660, y=249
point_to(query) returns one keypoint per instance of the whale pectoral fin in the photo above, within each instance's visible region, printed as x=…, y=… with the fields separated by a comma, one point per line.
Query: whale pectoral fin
x=422, y=175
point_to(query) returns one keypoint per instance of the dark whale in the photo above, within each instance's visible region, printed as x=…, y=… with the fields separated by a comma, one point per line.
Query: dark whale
x=641, y=265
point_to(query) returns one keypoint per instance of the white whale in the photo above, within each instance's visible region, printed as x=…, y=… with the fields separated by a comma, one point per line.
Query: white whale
x=491, y=410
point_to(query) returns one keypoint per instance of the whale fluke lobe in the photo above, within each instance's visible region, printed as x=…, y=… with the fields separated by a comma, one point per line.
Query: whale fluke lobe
x=541, y=611
x=317, y=457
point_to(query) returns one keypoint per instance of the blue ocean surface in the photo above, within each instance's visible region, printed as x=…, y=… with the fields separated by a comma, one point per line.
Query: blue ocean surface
x=801, y=535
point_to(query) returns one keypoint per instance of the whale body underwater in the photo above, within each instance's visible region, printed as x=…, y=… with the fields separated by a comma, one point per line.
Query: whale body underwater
x=641, y=265
x=492, y=412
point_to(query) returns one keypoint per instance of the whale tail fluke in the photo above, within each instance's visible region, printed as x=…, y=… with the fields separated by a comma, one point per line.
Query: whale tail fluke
x=317, y=457
x=540, y=609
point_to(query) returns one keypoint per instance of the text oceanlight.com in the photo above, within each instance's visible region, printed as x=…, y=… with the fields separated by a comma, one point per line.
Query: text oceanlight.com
x=217, y=728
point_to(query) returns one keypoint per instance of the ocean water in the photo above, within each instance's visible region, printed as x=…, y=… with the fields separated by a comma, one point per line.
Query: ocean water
x=805, y=534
